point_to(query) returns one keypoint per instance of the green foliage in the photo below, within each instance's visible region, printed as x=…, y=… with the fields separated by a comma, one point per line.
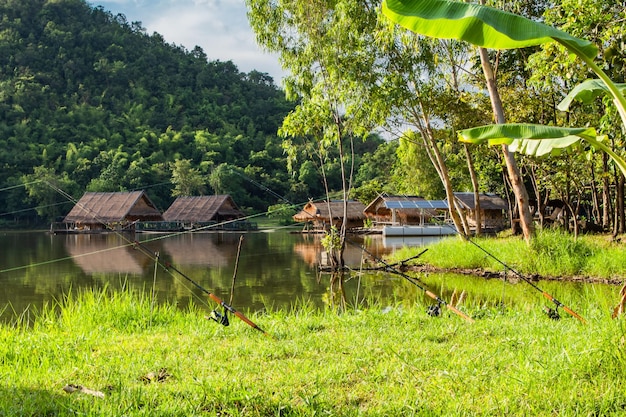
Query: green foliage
x=282, y=212
x=94, y=98
x=331, y=240
x=187, y=180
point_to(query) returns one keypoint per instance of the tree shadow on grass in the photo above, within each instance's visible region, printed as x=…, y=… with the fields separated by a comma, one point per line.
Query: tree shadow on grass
x=22, y=401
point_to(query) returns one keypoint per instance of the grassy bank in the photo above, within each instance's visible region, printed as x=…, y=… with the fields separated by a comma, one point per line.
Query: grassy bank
x=160, y=361
x=551, y=254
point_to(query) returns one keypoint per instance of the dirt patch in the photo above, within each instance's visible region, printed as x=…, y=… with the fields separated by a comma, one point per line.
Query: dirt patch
x=511, y=276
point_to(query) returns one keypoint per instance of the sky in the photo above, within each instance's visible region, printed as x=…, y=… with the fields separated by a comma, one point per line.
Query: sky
x=219, y=27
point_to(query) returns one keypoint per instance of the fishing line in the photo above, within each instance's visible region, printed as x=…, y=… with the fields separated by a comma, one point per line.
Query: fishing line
x=433, y=310
x=19, y=185
x=552, y=313
x=166, y=266
x=67, y=258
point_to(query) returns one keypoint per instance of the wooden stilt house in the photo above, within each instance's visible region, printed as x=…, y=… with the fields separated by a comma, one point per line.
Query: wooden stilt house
x=218, y=212
x=319, y=216
x=492, y=209
x=119, y=211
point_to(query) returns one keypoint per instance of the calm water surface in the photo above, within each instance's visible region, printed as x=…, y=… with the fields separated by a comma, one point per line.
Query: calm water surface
x=275, y=270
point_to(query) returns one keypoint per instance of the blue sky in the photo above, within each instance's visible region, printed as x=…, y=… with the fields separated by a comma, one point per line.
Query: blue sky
x=219, y=27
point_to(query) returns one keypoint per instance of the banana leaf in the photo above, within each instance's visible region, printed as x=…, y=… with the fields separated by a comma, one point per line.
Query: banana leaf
x=586, y=92
x=480, y=25
x=538, y=140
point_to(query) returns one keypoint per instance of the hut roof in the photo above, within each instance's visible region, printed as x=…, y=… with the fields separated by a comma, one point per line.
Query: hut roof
x=202, y=209
x=379, y=202
x=320, y=211
x=407, y=204
x=97, y=207
x=487, y=201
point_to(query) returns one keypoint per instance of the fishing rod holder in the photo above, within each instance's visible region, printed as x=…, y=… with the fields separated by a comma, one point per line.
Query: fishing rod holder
x=219, y=317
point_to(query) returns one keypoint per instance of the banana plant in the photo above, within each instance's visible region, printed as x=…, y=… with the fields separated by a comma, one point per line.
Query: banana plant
x=539, y=140
x=492, y=28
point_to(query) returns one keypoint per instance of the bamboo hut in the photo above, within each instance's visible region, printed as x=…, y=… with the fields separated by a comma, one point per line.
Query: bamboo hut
x=118, y=211
x=201, y=211
x=492, y=209
x=319, y=216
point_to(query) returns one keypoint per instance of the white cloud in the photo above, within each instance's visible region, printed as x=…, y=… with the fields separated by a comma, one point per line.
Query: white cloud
x=219, y=27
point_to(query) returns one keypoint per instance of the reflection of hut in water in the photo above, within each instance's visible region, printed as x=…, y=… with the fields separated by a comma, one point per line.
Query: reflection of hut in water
x=198, y=249
x=105, y=253
x=320, y=215
x=110, y=211
x=314, y=254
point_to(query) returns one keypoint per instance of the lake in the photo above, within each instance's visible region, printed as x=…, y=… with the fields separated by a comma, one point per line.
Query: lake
x=275, y=270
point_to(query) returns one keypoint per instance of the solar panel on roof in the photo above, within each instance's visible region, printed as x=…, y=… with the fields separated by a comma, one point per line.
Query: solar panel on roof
x=419, y=204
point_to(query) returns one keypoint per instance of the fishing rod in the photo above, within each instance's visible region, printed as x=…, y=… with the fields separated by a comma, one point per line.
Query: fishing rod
x=552, y=313
x=222, y=319
x=432, y=310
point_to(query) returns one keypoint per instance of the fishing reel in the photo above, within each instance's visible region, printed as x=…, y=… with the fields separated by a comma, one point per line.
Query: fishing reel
x=434, y=310
x=552, y=313
x=219, y=317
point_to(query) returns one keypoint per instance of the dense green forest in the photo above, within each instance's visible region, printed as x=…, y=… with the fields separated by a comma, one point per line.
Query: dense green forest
x=91, y=102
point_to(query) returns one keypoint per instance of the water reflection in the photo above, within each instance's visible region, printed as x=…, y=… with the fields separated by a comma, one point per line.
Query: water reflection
x=105, y=253
x=275, y=271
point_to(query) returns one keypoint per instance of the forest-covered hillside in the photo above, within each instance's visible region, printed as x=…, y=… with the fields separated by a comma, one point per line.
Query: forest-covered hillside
x=91, y=102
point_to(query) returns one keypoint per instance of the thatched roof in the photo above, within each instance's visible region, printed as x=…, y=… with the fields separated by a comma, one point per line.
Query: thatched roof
x=320, y=211
x=113, y=207
x=487, y=201
x=203, y=209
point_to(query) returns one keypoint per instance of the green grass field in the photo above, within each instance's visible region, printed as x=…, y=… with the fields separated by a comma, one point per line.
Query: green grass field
x=140, y=359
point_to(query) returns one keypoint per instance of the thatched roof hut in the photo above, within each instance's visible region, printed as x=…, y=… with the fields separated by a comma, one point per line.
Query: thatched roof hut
x=203, y=209
x=115, y=211
x=322, y=214
x=493, y=209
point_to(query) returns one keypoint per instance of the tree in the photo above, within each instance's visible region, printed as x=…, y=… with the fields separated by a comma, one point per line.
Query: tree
x=187, y=180
x=316, y=42
x=501, y=30
x=45, y=188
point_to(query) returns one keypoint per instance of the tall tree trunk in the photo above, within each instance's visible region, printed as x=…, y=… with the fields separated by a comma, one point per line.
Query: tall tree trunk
x=606, y=193
x=540, y=205
x=478, y=214
x=440, y=165
x=619, y=204
x=521, y=195
x=595, y=213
